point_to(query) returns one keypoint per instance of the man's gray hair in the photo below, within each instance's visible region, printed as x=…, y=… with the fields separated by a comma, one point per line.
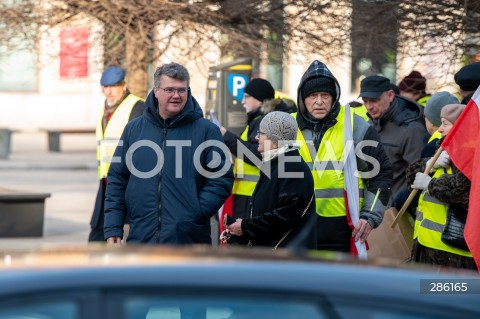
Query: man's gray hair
x=173, y=70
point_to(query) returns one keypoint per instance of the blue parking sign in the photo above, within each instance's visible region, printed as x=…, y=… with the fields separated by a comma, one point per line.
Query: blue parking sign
x=236, y=84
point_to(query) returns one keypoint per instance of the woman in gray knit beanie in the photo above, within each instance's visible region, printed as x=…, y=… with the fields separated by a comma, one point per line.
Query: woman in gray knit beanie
x=279, y=128
x=282, y=207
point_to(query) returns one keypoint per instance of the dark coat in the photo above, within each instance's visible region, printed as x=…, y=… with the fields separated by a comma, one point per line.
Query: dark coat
x=175, y=204
x=277, y=206
x=403, y=135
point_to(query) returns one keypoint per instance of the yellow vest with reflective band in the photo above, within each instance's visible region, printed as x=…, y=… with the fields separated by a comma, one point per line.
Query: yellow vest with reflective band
x=435, y=135
x=361, y=111
x=328, y=176
x=430, y=221
x=107, y=141
x=246, y=175
x=423, y=101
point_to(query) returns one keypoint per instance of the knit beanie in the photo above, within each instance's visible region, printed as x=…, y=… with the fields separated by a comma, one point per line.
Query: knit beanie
x=279, y=126
x=260, y=89
x=320, y=84
x=451, y=112
x=413, y=82
x=435, y=104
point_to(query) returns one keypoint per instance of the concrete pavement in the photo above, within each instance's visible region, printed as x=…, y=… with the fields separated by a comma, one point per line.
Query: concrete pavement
x=70, y=177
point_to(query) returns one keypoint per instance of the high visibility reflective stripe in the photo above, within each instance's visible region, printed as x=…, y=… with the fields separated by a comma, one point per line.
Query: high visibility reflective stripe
x=328, y=193
x=247, y=178
x=419, y=215
x=431, y=199
x=430, y=221
x=328, y=174
x=429, y=224
x=246, y=175
x=327, y=166
x=107, y=140
x=333, y=193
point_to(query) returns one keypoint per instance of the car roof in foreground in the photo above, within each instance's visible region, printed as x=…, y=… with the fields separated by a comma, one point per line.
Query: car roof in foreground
x=68, y=267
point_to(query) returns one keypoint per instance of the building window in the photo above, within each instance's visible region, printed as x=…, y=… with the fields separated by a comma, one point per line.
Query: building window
x=18, y=65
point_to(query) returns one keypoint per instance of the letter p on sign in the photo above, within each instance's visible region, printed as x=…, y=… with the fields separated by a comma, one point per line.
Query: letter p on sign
x=236, y=84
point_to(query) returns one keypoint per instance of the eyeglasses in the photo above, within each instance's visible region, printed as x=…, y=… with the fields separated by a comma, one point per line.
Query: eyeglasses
x=180, y=91
x=260, y=133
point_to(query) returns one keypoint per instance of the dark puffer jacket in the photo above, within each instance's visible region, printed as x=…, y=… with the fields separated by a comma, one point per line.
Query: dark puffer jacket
x=172, y=204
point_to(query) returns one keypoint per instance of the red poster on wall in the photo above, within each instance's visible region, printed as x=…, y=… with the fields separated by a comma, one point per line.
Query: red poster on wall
x=74, y=53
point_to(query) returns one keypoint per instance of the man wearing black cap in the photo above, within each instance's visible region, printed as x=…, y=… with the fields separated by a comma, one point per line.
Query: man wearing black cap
x=323, y=123
x=258, y=100
x=398, y=121
x=120, y=107
x=468, y=79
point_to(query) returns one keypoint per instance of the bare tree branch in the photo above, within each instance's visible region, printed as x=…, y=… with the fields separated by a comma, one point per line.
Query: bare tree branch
x=133, y=29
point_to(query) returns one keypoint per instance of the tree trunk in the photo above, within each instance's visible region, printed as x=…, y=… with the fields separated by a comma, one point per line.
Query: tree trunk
x=137, y=65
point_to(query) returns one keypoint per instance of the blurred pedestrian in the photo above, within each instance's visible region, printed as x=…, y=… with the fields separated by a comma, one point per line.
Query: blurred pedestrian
x=119, y=108
x=171, y=174
x=326, y=130
x=282, y=208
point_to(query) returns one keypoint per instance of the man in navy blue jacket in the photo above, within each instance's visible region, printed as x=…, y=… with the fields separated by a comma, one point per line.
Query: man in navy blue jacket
x=172, y=173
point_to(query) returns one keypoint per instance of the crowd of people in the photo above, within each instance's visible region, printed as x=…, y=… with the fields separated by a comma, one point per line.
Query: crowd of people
x=318, y=176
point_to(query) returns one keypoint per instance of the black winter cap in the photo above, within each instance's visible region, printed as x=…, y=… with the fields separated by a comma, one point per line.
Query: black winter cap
x=320, y=84
x=468, y=78
x=260, y=89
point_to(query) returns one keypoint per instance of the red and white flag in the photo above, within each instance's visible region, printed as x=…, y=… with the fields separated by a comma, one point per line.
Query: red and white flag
x=463, y=145
x=351, y=190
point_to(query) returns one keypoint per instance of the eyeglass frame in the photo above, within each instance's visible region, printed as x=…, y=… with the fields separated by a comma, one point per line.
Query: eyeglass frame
x=172, y=91
x=259, y=133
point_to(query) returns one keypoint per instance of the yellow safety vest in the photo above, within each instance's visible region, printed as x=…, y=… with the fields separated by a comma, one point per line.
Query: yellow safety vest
x=435, y=135
x=327, y=169
x=361, y=111
x=107, y=141
x=246, y=175
x=423, y=101
x=430, y=221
